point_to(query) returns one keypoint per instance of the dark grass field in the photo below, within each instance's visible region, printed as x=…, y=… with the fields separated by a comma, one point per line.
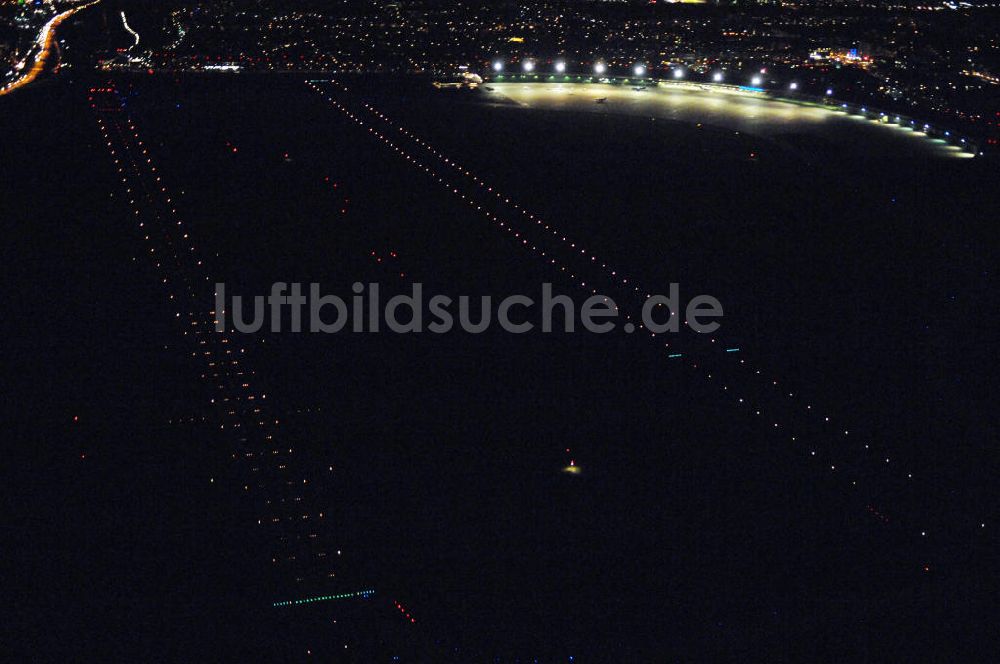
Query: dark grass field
x=693, y=532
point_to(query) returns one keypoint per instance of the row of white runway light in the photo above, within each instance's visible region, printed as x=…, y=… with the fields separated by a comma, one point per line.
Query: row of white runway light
x=282, y=489
x=570, y=259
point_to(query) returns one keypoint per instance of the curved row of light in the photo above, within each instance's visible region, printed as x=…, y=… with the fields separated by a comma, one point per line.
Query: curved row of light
x=755, y=81
x=639, y=70
x=773, y=384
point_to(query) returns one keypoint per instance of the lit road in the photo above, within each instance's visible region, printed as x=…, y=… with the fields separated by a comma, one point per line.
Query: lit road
x=45, y=42
x=720, y=106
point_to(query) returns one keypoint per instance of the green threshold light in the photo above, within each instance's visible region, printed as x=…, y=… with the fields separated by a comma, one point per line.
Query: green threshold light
x=363, y=594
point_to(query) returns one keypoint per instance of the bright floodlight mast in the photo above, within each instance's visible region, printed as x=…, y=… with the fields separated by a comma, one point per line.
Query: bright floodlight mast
x=718, y=76
x=756, y=81
x=560, y=66
x=639, y=70
x=498, y=65
x=528, y=65
x=600, y=68
x=679, y=72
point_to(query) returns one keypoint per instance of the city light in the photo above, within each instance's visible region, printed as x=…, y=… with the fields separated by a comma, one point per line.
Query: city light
x=560, y=66
x=639, y=70
x=756, y=81
x=528, y=65
x=793, y=86
x=599, y=68
x=678, y=73
x=497, y=65
x=829, y=91
x=718, y=76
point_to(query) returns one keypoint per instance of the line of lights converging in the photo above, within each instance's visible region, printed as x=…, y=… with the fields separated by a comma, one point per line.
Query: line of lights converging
x=831, y=432
x=269, y=466
x=517, y=231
